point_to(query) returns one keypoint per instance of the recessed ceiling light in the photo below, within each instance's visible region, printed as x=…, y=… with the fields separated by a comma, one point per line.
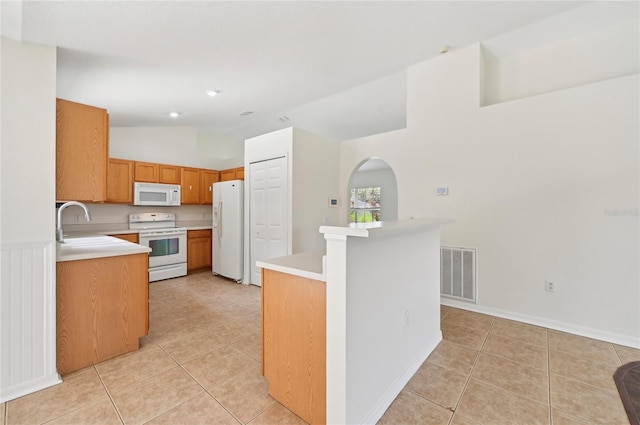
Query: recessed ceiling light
x=212, y=93
x=174, y=114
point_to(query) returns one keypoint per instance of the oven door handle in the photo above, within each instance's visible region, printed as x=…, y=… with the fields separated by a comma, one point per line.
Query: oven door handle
x=160, y=234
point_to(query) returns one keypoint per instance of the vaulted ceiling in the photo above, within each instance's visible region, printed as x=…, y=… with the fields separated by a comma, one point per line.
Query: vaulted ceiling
x=337, y=68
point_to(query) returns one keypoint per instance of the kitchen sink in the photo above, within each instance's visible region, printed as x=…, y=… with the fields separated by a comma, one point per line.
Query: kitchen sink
x=84, y=242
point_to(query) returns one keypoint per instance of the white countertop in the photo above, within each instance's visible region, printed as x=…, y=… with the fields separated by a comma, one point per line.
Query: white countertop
x=365, y=230
x=304, y=264
x=84, y=246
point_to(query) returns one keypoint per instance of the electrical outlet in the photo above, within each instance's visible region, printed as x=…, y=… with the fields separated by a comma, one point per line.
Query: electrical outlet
x=549, y=286
x=76, y=218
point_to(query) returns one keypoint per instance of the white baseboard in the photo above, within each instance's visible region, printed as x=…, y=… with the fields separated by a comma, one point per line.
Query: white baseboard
x=24, y=388
x=390, y=395
x=571, y=328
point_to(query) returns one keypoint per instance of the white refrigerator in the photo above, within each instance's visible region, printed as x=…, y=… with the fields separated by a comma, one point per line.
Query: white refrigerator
x=227, y=229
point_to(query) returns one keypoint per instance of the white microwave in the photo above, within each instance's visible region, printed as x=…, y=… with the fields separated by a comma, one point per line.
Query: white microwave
x=156, y=194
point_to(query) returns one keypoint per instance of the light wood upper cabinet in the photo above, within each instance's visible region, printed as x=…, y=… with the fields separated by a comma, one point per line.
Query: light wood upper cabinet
x=120, y=181
x=229, y=174
x=146, y=172
x=82, y=149
x=232, y=174
x=169, y=174
x=209, y=177
x=190, y=185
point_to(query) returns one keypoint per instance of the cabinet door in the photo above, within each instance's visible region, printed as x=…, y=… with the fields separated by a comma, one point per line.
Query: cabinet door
x=90, y=298
x=190, y=186
x=169, y=174
x=82, y=146
x=198, y=249
x=209, y=177
x=229, y=174
x=146, y=172
x=240, y=173
x=120, y=181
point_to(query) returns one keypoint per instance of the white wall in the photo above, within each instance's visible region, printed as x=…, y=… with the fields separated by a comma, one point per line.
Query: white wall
x=611, y=52
x=27, y=223
x=226, y=151
x=532, y=184
x=315, y=179
x=176, y=145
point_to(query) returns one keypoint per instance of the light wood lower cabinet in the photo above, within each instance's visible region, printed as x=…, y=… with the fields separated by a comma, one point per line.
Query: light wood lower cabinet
x=294, y=343
x=102, y=309
x=198, y=250
x=131, y=237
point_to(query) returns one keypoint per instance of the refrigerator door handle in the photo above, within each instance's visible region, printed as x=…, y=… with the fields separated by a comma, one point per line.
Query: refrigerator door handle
x=219, y=219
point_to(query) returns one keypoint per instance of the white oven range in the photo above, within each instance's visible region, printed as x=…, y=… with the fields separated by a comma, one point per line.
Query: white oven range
x=168, y=243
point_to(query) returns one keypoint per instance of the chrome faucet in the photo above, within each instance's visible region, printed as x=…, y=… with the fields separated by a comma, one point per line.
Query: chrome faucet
x=59, y=231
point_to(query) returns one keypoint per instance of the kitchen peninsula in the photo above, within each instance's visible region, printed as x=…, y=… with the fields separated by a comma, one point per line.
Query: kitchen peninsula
x=102, y=299
x=344, y=332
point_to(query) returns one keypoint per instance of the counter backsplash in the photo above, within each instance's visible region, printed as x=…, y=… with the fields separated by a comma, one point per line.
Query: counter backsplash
x=106, y=217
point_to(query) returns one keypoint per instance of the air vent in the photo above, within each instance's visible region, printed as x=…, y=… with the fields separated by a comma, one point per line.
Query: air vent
x=458, y=273
x=246, y=113
x=283, y=118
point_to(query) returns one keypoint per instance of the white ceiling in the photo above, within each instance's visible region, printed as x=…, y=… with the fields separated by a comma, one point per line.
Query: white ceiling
x=333, y=68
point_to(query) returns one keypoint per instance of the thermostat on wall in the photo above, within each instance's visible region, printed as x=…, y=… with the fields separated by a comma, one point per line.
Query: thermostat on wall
x=333, y=202
x=442, y=191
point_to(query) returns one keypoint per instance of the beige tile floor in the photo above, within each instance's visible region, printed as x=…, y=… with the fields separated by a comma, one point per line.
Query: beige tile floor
x=200, y=364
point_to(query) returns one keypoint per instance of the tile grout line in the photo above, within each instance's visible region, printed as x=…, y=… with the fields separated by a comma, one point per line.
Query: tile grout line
x=475, y=362
x=206, y=391
x=203, y=388
x=184, y=370
x=113, y=403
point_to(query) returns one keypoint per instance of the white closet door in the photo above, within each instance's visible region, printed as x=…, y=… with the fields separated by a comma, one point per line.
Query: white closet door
x=268, y=212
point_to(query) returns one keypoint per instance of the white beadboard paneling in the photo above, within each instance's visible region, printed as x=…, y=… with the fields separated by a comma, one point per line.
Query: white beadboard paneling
x=27, y=315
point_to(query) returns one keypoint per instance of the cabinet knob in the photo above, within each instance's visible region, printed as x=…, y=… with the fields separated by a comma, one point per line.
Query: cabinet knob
x=210, y=188
x=190, y=187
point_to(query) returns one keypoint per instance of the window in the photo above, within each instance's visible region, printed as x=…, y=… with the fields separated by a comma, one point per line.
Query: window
x=365, y=204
